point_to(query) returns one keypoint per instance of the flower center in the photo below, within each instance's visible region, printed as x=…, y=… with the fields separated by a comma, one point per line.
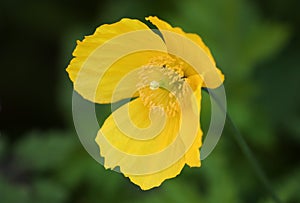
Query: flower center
x=162, y=85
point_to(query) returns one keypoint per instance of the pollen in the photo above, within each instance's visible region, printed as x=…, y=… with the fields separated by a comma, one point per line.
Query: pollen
x=162, y=85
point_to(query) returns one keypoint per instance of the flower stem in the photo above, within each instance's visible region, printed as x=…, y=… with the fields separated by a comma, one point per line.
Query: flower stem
x=247, y=151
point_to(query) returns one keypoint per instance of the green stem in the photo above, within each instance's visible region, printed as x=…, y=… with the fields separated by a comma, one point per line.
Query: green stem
x=247, y=152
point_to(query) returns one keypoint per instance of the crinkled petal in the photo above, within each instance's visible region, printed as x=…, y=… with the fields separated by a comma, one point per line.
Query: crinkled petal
x=104, y=58
x=198, y=56
x=125, y=146
x=147, y=182
x=191, y=158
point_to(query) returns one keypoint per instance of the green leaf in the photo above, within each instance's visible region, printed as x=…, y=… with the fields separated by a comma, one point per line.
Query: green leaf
x=45, y=151
x=13, y=193
x=48, y=191
x=264, y=40
x=287, y=188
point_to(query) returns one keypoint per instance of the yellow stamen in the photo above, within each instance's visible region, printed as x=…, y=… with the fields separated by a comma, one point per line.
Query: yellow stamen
x=162, y=84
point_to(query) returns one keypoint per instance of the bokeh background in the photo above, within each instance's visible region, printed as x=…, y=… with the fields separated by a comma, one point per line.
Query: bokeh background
x=255, y=43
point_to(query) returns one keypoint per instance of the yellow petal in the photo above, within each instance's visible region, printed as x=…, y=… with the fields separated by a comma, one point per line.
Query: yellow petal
x=147, y=182
x=141, y=156
x=119, y=129
x=191, y=158
x=193, y=154
x=202, y=61
x=104, y=58
x=195, y=82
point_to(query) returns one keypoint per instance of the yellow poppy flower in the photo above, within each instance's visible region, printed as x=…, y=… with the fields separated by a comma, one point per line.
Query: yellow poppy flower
x=157, y=132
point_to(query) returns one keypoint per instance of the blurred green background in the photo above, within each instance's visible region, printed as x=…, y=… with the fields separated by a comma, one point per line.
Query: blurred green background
x=255, y=43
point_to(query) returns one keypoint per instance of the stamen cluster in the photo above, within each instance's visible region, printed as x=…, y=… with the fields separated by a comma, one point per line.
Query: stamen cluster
x=162, y=85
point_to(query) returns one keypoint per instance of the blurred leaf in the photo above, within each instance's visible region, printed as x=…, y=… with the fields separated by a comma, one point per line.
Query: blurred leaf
x=218, y=175
x=288, y=188
x=45, y=151
x=176, y=191
x=48, y=191
x=41, y=191
x=84, y=173
x=13, y=193
x=265, y=39
x=281, y=100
